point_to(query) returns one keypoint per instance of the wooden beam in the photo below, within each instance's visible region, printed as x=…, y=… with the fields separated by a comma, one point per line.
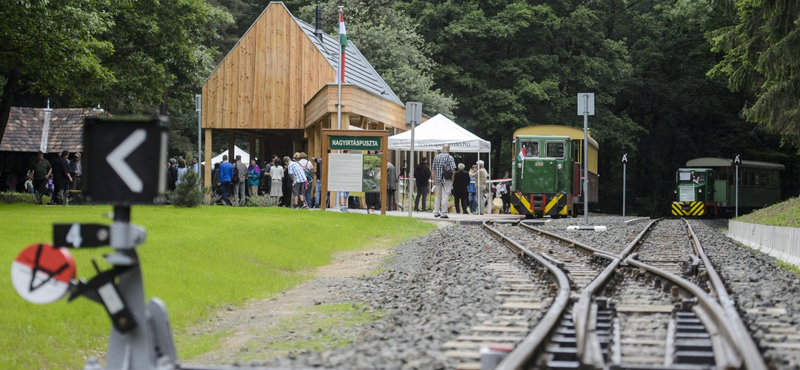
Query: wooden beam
x=209, y=166
x=231, y=143
x=252, y=148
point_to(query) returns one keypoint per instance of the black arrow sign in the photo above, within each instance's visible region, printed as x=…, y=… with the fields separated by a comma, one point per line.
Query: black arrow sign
x=80, y=235
x=123, y=160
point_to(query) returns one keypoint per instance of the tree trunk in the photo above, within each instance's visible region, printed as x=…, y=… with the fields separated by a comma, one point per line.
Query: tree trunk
x=7, y=99
x=164, y=97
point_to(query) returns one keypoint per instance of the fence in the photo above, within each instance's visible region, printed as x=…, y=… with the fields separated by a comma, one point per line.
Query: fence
x=780, y=242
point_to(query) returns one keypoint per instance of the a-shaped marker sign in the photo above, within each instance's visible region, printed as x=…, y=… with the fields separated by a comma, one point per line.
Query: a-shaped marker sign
x=42, y=273
x=124, y=160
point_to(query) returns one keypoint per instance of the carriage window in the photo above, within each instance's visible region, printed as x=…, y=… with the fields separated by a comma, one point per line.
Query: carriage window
x=531, y=149
x=555, y=150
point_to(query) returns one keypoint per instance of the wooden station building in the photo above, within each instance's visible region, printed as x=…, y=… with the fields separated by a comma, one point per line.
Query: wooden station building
x=277, y=85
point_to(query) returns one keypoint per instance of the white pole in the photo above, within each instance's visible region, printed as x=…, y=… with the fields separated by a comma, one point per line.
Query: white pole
x=624, y=171
x=586, y=159
x=737, y=190
x=199, y=106
x=411, y=169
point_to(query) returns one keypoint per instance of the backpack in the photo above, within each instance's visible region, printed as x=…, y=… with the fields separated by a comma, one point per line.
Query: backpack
x=235, y=179
x=309, y=176
x=448, y=171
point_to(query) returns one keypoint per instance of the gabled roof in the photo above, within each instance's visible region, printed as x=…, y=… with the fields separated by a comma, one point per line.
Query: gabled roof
x=24, y=130
x=357, y=69
x=26, y=126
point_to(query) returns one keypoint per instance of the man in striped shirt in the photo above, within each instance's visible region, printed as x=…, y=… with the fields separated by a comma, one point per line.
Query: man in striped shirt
x=299, y=183
x=443, y=185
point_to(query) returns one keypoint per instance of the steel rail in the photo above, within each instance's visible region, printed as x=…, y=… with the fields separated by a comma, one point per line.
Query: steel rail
x=747, y=348
x=526, y=349
x=711, y=306
x=590, y=355
x=586, y=249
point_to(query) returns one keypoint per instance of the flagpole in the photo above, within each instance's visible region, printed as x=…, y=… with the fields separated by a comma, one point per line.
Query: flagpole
x=339, y=79
x=339, y=102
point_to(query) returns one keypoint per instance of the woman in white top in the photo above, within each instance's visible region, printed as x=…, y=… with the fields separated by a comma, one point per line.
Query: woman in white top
x=181, y=170
x=276, y=174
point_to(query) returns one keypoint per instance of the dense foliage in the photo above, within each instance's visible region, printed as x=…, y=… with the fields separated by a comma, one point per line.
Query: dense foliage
x=673, y=80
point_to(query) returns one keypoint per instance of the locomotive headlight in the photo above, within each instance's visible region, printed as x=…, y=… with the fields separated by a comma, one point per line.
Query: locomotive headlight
x=519, y=164
x=700, y=190
x=559, y=166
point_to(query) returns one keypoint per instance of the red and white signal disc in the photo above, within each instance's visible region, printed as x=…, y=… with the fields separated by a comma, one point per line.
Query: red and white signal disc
x=41, y=273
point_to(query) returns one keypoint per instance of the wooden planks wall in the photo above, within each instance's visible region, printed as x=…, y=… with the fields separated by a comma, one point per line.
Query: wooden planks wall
x=357, y=102
x=267, y=77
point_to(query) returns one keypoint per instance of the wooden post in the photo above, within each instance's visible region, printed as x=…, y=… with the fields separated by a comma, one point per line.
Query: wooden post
x=231, y=143
x=209, y=165
x=252, y=150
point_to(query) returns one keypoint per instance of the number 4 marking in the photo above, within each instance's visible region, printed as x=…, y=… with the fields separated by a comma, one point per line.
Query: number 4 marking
x=74, y=236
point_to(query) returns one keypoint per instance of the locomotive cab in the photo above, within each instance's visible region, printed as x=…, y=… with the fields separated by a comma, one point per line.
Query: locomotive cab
x=695, y=193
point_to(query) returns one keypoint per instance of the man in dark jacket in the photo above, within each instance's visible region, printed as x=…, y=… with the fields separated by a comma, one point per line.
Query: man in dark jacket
x=172, y=174
x=61, y=178
x=460, y=191
x=422, y=173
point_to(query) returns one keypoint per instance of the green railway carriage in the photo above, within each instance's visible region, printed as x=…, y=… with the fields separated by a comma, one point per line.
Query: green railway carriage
x=706, y=187
x=546, y=172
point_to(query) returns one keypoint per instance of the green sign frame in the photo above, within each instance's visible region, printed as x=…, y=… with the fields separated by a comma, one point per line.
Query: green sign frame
x=355, y=142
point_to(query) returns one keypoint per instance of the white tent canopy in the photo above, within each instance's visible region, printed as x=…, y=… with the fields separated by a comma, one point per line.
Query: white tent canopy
x=236, y=151
x=438, y=131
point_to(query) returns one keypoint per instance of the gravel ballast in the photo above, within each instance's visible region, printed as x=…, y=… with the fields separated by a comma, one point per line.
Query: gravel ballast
x=437, y=287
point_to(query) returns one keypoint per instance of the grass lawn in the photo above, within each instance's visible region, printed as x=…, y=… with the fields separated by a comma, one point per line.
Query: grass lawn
x=786, y=214
x=194, y=259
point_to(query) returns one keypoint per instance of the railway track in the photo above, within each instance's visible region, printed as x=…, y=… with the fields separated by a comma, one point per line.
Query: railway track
x=656, y=304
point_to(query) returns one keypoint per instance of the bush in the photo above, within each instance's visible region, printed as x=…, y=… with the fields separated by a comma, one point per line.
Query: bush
x=210, y=197
x=263, y=201
x=188, y=192
x=10, y=197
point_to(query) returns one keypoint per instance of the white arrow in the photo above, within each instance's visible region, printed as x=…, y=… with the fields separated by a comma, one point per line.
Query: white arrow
x=117, y=160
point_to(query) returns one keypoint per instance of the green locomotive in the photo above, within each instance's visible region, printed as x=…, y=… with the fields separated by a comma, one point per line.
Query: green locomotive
x=706, y=187
x=546, y=173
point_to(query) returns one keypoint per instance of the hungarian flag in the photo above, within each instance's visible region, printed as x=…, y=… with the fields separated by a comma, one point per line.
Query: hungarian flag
x=343, y=43
x=521, y=154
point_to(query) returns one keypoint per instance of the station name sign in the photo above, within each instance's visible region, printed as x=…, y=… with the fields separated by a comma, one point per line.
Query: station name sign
x=355, y=143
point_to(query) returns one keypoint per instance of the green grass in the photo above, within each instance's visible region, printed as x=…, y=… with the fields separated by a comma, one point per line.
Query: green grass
x=786, y=214
x=194, y=259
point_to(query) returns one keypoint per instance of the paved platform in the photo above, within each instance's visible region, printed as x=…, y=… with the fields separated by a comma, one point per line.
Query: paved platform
x=452, y=217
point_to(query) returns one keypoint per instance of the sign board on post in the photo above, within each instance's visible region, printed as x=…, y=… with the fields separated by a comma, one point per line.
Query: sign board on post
x=354, y=171
x=413, y=118
x=124, y=160
x=586, y=104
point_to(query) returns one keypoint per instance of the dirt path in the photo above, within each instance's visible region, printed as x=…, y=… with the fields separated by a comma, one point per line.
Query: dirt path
x=276, y=326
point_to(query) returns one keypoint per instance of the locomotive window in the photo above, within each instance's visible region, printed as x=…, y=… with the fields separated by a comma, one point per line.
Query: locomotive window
x=555, y=149
x=685, y=176
x=531, y=149
x=701, y=176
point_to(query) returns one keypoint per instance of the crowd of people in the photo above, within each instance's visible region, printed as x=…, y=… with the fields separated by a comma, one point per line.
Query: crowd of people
x=287, y=180
x=449, y=179
x=54, y=179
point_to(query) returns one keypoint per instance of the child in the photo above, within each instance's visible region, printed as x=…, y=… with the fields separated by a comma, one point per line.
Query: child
x=29, y=186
